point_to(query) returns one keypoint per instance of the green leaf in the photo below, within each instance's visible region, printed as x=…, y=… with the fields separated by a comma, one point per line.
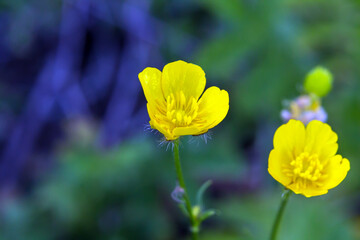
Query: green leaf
x=208, y=213
x=200, y=193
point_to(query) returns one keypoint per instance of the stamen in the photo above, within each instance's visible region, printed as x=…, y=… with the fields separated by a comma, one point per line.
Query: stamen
x=306, y=169
x=180, y=110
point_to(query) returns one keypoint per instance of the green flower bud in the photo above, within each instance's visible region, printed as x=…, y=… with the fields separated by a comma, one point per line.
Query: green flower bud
x=318, y=81
x=196, y=211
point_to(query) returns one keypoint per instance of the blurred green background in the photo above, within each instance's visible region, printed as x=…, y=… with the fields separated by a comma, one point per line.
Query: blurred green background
x=71, y=183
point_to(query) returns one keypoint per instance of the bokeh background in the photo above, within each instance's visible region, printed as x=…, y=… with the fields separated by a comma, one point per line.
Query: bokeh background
x=76, y=160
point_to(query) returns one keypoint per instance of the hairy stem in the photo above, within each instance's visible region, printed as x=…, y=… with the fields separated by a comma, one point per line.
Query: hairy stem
x=193, y=220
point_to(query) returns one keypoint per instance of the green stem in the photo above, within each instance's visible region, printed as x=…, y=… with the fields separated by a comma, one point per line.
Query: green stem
x=193, y=220
x=275, y=228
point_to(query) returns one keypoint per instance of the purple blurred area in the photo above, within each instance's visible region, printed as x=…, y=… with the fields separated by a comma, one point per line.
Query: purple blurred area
x=85, y=67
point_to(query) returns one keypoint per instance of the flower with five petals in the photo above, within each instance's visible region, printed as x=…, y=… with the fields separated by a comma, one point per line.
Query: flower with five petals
x=304, y=160
x=174, y=104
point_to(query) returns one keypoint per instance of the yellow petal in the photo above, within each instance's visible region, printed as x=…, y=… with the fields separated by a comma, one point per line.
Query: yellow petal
x=213, y=107
x=275, y=167
x=150, y=79
x=336, y=170
x=309, y=191
x=320, y=139
x=182, y=131
x=155, y=123
x=162, y=129
x=289, y=139
x=181, y=76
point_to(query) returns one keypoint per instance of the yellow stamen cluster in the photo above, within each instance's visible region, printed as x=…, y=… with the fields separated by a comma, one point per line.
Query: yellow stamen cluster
x=305, y=169
x=181, y=111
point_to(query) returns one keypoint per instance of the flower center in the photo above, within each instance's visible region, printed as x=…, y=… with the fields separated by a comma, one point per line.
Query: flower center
x=179, y=110
x=305, y=169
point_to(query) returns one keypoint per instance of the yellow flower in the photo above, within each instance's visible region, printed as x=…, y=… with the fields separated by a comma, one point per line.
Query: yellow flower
x=174, y=104
x=304, y=159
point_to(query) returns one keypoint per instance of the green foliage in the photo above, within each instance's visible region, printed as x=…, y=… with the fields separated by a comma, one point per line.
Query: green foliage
x=94, y=194
x=251, y=217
